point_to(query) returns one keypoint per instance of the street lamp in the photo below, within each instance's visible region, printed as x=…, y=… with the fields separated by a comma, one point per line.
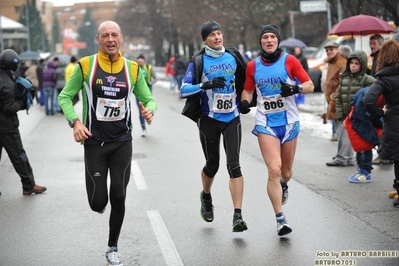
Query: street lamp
x=27, y=22
x=292, y=22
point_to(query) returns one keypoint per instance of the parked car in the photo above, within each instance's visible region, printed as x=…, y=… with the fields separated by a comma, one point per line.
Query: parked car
x=309, y=52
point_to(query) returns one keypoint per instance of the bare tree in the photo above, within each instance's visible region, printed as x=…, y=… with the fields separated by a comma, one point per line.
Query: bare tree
x=173, y=26
x=390, y=9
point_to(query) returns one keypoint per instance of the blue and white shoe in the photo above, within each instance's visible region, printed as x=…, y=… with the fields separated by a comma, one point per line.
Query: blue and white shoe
x=362, y=176
x=282, y=227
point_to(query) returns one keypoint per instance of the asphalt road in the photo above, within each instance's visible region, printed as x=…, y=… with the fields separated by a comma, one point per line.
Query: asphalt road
x=332, y=220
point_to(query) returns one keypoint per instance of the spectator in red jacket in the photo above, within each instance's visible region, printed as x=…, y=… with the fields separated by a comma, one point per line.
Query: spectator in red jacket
x=170, y=73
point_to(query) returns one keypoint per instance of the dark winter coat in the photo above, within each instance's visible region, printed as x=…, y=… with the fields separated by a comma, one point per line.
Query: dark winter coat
x=39, y=73
x=350, y=83
x=59, y=77
x=387, y=84
x=48, y=75
x=180, y=65
x=374, y=65
x=361, y=121
x=9, y=105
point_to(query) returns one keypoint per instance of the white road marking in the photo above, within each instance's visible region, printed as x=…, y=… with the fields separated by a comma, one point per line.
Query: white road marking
x=168, y=248
x=138, y=176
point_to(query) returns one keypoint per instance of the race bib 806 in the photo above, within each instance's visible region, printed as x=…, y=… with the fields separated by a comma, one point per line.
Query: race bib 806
x=273, y=104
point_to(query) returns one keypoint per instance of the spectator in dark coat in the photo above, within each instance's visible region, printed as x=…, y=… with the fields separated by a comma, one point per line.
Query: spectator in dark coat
x=387, y=84
x=299, y=97
x=49, y=87
x=59, y=83
x=39, y=73
x=181, y=65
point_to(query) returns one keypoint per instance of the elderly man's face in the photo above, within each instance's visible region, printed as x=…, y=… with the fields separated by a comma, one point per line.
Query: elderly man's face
x=331, y=52
x=109, y=38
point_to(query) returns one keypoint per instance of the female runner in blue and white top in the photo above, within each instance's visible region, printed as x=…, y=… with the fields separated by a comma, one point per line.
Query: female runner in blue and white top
x=274, y=75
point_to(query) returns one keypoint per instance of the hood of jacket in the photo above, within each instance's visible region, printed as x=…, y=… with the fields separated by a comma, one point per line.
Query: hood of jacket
x=51, y=65
x=388, y=71
x=362, y=57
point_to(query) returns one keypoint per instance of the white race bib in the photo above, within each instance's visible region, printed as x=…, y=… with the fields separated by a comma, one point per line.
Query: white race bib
x=224, y=103
x=273, y=104
x=110, y=109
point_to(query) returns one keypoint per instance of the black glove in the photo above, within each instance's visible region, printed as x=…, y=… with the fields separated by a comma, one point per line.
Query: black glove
x=377, y=123
x=244, y=107
x=214, y=83
x=288, y=90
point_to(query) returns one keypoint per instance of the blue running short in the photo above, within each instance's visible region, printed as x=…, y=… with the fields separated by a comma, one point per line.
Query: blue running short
x=283, y=133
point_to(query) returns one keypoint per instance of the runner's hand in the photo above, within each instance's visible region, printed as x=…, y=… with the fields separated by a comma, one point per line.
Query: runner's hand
x=214, y=83
x=244, y=107
x=146, y=113
x=288, y=90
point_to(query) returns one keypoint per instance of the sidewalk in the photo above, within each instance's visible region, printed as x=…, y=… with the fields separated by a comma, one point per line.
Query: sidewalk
x=315, y=103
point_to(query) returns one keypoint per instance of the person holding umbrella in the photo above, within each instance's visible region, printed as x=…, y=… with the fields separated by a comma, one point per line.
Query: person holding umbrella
x=376, y=42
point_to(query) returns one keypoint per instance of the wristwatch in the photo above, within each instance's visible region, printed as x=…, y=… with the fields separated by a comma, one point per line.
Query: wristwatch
x=300, y=88
x=72, y=121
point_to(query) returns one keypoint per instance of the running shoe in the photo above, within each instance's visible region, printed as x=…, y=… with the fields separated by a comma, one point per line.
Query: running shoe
x=36, y=190
x=282, y=227
x=362, y=176
x=206, y=209
x=112, y=257
x=238, y=224
x=285, y=194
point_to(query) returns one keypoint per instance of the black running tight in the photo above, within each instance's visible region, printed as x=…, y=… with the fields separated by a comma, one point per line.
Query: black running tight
x=99, y=158
x=210, y=131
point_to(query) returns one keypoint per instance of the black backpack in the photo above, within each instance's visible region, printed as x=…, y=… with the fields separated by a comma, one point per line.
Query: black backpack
x=191, y=108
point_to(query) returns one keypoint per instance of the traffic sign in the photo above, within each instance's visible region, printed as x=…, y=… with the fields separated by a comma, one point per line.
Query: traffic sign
x=313, y=6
